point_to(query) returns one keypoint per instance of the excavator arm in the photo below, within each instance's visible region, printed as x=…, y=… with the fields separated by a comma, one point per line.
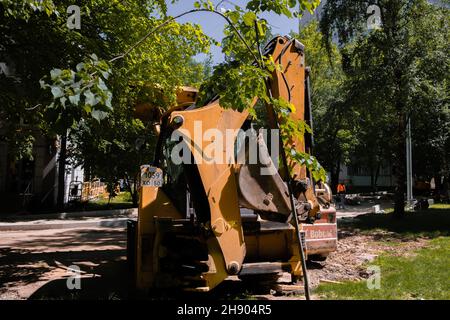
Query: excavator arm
x=206, y=219
x=269, y=194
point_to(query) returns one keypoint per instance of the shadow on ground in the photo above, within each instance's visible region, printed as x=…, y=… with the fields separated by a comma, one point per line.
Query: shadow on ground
x=429, y=223
x=12, y=271
x=29, y=259
x=27, y=267
x=85, y=238
x=112, y=281
x=108, y=281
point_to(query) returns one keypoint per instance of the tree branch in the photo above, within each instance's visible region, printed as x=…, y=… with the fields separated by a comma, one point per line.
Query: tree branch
x=123, y=55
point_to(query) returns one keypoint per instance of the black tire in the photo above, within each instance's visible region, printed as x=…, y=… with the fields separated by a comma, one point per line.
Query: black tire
x=318, y=257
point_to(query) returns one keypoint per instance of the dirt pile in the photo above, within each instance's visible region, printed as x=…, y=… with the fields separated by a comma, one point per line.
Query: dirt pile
x=354, y=254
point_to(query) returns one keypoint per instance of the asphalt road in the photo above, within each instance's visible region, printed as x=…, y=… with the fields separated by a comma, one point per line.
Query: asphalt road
x=36, y=264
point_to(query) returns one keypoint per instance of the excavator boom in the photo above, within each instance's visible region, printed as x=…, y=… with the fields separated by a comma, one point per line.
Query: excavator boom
x=207, y=211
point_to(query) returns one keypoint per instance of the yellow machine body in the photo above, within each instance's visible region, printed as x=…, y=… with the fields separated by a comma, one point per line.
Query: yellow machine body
x=226, y=235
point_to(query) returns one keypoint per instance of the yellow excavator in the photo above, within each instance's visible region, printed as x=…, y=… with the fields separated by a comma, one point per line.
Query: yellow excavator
x=201, y=221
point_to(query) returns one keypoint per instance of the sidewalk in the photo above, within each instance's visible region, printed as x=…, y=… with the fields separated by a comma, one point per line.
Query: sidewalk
x=69, y=220
x=116, y=218
x=352, y=211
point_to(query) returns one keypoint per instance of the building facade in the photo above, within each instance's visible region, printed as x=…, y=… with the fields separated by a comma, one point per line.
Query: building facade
x=28, y=185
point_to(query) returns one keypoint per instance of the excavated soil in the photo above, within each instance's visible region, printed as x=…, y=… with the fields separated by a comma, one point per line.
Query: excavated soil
x=354, y=254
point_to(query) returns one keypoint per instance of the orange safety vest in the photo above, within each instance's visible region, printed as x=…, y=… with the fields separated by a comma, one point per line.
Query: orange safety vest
x=340, y=188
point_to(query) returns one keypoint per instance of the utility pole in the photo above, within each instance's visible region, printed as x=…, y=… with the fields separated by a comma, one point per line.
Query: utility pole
x=409, y=175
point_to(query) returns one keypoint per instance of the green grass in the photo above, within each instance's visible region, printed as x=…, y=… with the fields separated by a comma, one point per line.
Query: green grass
x=121, y=201
x=423, y=275
x=441, y=206
x=431, y=223
x=123, y=197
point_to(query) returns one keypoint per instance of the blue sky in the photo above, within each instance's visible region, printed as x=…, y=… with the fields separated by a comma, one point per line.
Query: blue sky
x=213, y=25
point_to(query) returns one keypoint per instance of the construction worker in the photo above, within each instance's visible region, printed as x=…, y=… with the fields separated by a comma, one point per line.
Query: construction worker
x=341, y=194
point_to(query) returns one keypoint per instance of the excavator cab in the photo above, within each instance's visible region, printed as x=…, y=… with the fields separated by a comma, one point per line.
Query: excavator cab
x=208, y=210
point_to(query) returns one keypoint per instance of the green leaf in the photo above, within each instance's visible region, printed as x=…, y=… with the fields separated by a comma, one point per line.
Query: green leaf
x=90, y=98
x=287, y=12
x=57, y=92
x=75, y=99
x=101, y=85
x=105, y=74
x=63, y=101
x=87, y=108
x=261, y=31
x=234, y=16
x=80, y=66
x=108, y=102
x=98, y=115
x=249, y=18
x=55, y=73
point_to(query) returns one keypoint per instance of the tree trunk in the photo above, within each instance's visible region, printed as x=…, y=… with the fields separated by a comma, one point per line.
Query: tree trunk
x=377, y=175
x=400, y=169
x=372, y=180
x=133, y=190
x=399, y=209
x=62, y=172
x=335, y=170
x=134, y=195
x=87, y=174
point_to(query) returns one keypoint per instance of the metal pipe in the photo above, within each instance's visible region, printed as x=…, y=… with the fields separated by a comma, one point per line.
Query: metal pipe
x=409, y=186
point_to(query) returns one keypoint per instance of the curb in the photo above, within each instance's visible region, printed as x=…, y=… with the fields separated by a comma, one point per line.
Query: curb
x=68, y=215
x=51, y=225
x=112, y=219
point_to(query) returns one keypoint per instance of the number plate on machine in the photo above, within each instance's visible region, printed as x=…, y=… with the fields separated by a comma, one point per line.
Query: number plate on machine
x=151, y=176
